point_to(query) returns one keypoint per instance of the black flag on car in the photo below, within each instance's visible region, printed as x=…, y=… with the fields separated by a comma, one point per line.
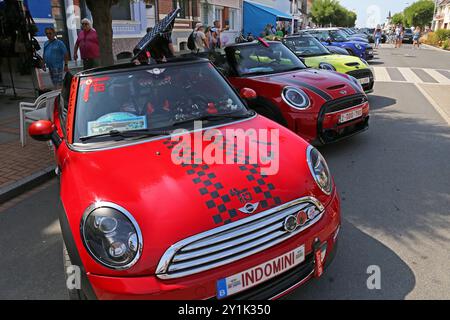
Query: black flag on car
x=163, y=29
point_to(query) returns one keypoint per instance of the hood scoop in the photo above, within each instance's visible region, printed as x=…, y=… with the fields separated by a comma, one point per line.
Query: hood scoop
x=352, y=64
x=339, y=86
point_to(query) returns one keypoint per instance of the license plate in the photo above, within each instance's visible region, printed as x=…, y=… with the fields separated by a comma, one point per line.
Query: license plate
x=370, y=52
x=256, y=275
x=350, y=115
x=364, y=80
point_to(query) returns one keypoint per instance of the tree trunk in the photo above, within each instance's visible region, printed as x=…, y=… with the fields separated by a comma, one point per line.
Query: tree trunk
x=101, y=14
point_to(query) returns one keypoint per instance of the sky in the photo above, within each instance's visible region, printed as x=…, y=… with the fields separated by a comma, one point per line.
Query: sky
x=373, y=12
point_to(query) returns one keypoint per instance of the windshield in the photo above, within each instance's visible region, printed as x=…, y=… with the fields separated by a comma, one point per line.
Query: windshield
x=338, y=35
x=306, y=46
x=257, y=59
x=156, y=98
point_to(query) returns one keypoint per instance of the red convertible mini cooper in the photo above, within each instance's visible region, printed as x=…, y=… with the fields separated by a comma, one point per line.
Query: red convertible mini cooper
x=321, y=106
x=141, y=224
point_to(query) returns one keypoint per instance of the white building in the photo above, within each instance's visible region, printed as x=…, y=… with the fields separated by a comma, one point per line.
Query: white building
x=442, y=17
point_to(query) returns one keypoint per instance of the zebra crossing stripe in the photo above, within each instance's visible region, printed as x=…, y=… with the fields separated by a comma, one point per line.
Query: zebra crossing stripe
x=381, y=74
x=437, y=76
x=409, y=75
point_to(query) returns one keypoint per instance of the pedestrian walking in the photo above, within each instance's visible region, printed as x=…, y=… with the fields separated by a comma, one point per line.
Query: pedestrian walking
x=398, y=36
x=377, y=36
x=87, y=42
x=416, y=38
x=201, y=43
x=216, y=32
x=56, y=57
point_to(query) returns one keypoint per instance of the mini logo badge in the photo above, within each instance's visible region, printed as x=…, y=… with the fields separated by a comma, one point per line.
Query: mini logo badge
x=249, y=208
x=343, y=92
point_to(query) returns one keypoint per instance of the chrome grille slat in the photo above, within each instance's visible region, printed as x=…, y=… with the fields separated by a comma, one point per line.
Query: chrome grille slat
x=234, y=241
x=225, y=254
x=222, y=246
x=250, y=228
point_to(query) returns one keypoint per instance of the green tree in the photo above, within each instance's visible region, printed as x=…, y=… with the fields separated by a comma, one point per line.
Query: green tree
x=323, y=11
x=398, y=18
x=420, y=13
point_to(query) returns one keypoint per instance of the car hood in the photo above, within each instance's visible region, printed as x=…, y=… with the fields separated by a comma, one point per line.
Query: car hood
x=326, y=85
x=340, y=62
x=171, y=201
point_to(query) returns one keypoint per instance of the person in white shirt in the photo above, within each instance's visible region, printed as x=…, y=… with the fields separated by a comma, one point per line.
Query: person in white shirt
x=201, y=42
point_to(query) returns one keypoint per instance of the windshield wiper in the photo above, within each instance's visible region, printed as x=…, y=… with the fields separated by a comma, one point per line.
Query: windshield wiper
x=127, y=134
x=215, y=117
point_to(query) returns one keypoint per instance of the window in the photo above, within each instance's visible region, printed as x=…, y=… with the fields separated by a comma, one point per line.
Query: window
x=232, y=23
x=218, y=14
x=121, y=10
x=184, y=6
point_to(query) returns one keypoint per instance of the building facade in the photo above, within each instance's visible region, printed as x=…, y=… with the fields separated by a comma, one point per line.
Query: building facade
x=441, y=19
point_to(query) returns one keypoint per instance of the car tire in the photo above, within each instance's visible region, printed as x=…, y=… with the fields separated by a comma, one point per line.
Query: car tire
x=269, y=111
x=74, y=294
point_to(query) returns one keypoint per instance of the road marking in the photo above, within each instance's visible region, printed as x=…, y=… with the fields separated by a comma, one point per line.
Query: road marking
x=437, y=76
x=409, y=75
x=433, y=103
x=381, y=74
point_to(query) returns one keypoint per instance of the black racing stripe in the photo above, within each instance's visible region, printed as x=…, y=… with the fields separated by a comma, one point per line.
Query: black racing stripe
x=316, y=90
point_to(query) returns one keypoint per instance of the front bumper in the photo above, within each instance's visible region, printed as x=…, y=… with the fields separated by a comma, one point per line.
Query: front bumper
x=364, y=73
x=368, y=54
x=203, y=285
x=329, y=127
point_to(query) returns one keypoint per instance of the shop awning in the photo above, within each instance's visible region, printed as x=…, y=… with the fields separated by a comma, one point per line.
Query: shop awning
x=257, y=16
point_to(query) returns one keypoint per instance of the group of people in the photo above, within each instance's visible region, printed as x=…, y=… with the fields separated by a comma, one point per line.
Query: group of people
x=56, y=55
x=396, y=35
x=207, y=38
x=280, y=30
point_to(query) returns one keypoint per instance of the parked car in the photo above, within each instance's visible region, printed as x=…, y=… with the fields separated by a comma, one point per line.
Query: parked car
x=319, y=105
x=315, y=55
x=355, y=36
x=407, y=36
x=370, y=33
x=337, y=50
x=140, y=225
x=336, y=37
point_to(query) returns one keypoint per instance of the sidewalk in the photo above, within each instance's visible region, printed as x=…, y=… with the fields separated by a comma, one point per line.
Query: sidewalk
x=20, y=168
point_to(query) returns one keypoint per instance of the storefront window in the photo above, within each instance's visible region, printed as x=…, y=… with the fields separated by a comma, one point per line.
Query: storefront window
x=121, y=10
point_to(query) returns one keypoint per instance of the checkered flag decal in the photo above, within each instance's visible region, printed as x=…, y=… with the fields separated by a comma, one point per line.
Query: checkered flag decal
x=217, y=198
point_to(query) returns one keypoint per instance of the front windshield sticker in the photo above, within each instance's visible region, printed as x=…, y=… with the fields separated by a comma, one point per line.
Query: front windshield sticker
x=97, y=83
x=120, y=121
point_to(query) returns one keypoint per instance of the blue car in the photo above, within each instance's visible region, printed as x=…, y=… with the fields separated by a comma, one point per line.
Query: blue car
x=337, y=38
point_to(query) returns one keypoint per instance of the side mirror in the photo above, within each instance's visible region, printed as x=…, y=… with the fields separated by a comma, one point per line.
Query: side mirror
x=329, y=40
x=44, y=130
x=248, y=94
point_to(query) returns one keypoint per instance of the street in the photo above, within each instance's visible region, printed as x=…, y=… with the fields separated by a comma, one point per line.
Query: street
x=394, y=183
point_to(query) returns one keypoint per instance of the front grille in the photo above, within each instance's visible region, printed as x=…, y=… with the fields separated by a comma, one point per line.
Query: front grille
x=361, y=73
x=344, y=103
x=237, y=240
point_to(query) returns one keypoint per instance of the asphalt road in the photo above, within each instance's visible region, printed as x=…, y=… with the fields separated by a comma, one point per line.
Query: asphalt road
x=394, y=182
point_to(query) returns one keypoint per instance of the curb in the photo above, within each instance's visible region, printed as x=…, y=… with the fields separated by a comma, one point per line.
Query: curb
x=17, y=188
x=434, y=48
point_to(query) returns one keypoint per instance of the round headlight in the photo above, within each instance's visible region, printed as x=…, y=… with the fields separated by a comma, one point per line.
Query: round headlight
x=295, y=97
x=327, y=66
x=356, y=82
x=319, y=170
x=358, y=46
x=111, y=235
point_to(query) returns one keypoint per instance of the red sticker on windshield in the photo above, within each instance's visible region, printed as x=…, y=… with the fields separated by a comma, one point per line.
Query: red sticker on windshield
x=96, y=83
